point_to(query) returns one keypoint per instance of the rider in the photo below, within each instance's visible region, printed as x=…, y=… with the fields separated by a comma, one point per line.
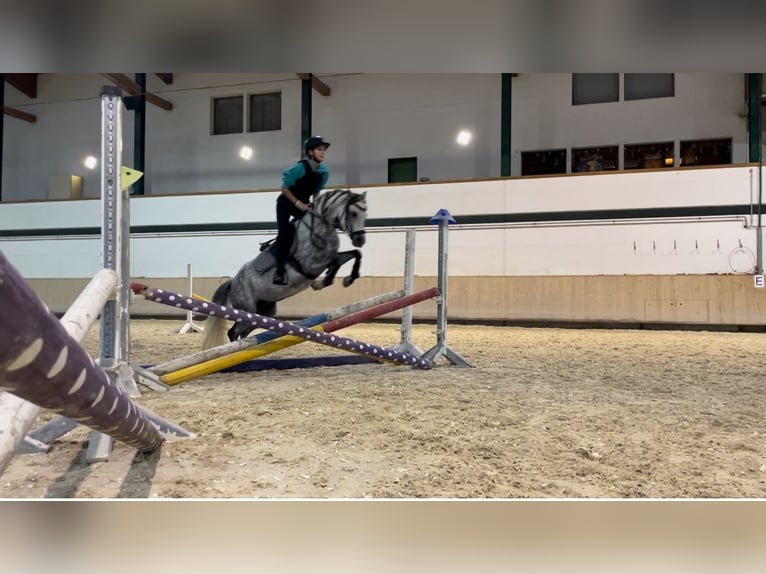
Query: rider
x=300, y=183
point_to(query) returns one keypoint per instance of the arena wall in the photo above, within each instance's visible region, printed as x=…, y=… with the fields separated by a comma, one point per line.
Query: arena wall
x=667, y=246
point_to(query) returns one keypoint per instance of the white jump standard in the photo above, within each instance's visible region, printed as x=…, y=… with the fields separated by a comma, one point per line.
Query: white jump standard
x=443, y=219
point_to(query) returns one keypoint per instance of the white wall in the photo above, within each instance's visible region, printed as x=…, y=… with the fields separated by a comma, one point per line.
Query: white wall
x=183, y=157
x=373, y=117
x=68, y=128
x=694, y=245
x=704, y=106
x=369, y=118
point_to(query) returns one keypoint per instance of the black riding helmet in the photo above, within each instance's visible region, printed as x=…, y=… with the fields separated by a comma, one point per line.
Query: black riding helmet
x=314, y=142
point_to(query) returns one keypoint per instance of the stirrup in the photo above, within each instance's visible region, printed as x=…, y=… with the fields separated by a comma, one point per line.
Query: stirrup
x=280, y=277
x=266, y=244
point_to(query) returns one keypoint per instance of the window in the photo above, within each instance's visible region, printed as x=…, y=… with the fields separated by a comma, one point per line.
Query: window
x=543, y=162
x=602, y=158
x=227, y=115
x=402, y=169
x=595, y=88
x=649, y=155
x=706, y=152
x=642, y=86
x=265, y=112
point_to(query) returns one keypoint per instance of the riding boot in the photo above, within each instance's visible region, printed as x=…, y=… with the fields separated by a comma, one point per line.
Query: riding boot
x=281, y=254
x=280, y=274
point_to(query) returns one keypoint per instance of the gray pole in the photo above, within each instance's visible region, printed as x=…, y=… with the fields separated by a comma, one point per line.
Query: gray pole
x=115, y=335
x=405, y=344
x=443, y=219
x=754, y=89
x=2, y=130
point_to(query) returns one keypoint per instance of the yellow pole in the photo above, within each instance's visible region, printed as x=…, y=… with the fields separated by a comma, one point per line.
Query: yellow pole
x=235, y=358
x=220, y=363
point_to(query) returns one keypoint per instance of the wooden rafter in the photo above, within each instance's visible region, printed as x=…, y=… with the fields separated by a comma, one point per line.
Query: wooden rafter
x=316, y=83
x=14, y=113
x=166, y=78
x=134, y=89
x=25, y=83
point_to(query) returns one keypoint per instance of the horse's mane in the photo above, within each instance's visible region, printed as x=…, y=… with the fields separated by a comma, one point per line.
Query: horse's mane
x=331, y=205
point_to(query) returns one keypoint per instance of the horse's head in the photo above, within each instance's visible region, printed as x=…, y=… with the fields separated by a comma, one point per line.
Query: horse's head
x=356, y=218
x=346, y=211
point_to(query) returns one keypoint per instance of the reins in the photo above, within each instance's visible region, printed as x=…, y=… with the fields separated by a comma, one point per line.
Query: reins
x=324, y=204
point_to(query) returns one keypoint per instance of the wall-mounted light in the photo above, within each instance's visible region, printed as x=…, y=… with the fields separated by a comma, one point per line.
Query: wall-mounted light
x=246, y=152
x=90, y=162
x=668, y=161
x=463, y=137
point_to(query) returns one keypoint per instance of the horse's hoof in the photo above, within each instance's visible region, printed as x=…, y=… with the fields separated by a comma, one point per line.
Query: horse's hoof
x=317, y=285
x=347, y=281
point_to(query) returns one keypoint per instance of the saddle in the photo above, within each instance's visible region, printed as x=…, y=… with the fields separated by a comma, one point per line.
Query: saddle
x=267, y=244
x=271, y=246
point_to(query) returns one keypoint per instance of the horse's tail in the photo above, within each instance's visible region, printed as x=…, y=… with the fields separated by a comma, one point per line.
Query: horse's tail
x=215, y=327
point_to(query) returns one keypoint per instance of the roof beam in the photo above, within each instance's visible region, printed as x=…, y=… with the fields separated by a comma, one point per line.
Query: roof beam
x=25, y=83
x=166, y=78
x=14, y=113
x=134, y=89
x=316, y=83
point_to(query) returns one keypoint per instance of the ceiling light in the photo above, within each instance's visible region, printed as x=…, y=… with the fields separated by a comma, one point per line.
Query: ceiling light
x=90, y=162
x=464, y=137
x=246, y=152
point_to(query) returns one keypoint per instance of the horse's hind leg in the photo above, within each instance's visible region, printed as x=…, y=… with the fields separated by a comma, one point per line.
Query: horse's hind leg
x=239, y=331
x=242, y=330
x=267, y=308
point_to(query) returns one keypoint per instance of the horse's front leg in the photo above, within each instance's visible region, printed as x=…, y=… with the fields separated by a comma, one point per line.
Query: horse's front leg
x=327, y=279
x=343, y=257
x=357, y=256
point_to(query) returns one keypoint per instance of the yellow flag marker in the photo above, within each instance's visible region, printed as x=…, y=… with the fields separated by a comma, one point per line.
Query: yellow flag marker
x=129, y=176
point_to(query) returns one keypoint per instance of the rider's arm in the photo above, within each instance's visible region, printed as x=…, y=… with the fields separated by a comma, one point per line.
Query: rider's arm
x=289, y=177
x=289, y=195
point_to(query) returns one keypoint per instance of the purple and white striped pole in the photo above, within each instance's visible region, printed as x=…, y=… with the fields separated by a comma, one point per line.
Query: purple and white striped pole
x=42, y=363
x=284, y=328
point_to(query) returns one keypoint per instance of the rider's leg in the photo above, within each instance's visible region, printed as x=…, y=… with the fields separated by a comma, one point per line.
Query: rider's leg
x=285, y=210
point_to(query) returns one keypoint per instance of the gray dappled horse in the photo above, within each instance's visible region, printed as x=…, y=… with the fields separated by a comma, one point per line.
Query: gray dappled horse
x=314, y=251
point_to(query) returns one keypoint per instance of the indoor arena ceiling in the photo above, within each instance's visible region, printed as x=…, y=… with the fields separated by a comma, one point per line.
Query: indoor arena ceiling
x=27, y=85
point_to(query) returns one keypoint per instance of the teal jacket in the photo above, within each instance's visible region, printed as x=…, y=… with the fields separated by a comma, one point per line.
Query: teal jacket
x=297, y=172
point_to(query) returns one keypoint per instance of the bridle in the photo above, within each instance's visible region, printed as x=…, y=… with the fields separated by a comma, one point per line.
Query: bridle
x=341, y=221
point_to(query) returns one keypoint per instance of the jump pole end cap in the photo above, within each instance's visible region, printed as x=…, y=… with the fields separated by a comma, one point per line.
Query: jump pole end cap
x=442, y=215
x=109, y=90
